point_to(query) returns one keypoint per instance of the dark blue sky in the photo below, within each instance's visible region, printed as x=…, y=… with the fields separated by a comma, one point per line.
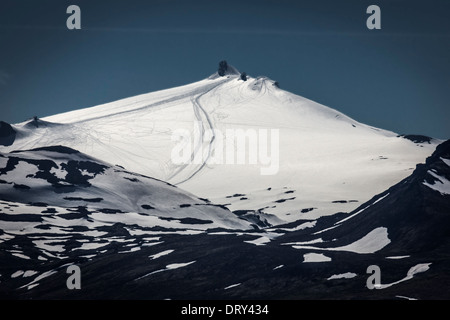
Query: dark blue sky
x=396, y=78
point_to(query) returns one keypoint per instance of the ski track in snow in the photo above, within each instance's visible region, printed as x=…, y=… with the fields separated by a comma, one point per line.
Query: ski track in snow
x=197, y=108
x=155, y=104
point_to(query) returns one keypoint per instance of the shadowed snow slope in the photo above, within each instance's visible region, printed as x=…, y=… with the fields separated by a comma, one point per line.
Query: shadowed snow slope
x=408, y=218
x=61, y=176
x=325, y=162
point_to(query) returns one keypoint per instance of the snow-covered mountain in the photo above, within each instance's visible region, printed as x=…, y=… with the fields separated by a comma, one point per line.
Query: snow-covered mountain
x=323, y=198
x=317, y=157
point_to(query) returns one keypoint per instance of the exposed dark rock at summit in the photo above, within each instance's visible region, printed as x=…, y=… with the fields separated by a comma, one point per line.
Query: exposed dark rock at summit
x=227, y=69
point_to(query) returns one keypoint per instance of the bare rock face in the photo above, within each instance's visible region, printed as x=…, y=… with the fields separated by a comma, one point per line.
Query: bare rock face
x=227, y=69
